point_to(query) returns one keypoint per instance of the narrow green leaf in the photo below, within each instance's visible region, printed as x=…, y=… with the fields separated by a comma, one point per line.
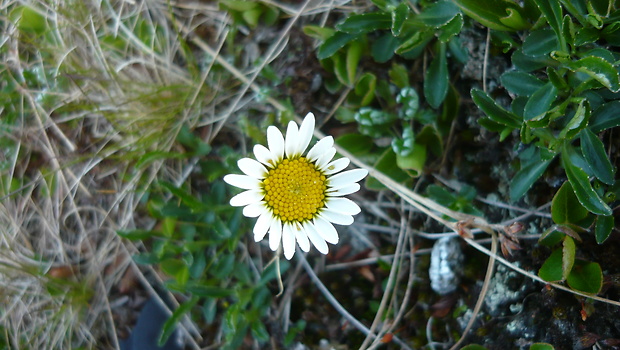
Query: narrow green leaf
x=317, y=32
x=365, y=88
x=436, y=80
x=354, y=54
x=450, y=29
x=603, y=228
x=586, y=277
x=540, y=102
x=525, y=178
x=578, y=121
x=171, y=323
x=582, y=187
x=551, y=270
x=366, y=22
x=493, y=110
x=599, y=69
x=594, y=152
x=552, y=10
x=521, y=83
x=334, y=43
x=541, y=346
x=568, y=256
x=605, y=116
x=565, y=208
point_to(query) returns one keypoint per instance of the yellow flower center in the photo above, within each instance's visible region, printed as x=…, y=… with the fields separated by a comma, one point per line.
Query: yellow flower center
x=295, y=190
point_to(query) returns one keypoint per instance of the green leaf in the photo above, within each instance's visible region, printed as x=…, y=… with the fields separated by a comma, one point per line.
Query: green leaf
x=171, y=323
x=552, y=10
x=177, y=269
x=565, y=208
x=366, y=22
x=586, y=277
x=581, y=185
x=365, y=88
x=387, y=165
x=410, y=100
x=357, y=144
x=568, y=256
x=594, y=152
x=525, y=178
x=399, y=75
x=405, y=145
x=414, y=161
x=28, y=20
x=541, y=346
x=438, y=14
x=540, y=102
x=399, y=16
x=578, y=121
x=598, y=69
x=354, y=54
x=540, y=42
x=206, y=291
x=493, y=110
x=451, y=29
x=334, y=43
x=551, y=270
x=436, y=80
x=383, y=48
x=605, y=116
x=317, y=32
x=137, y=235
x=489, y=13
x=603, y=228
x=521, y=83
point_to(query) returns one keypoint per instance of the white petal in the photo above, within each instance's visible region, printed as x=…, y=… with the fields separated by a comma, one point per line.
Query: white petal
x=323, y=160
x=315, y=238
x=336, y=217
x=346, y=178
x=242, y=181
x=264, y=156
x=305, y=133
x=301, y=236
x=246, y=198
x=262, y=225
x=288, y=241
x=343, y=191
x=254, y=210
x=275, y=234
x=252, y=168
x=275, y=140
x=336, y=166
x=343, y=205
x=291, y=139
x=320, y=148
x=326, y=230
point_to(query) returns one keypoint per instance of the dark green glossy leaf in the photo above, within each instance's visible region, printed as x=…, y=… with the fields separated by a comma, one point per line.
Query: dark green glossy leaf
x=581, y=185
x=366, y=22
x=540, y=102
x=603, y=228
x=493, y=110
x=399, y=16
x=383, y=48
x=586, y=277
x=452, y=28
x=436, y=80
x=521, y=83
x=528, y=63
x=577, y=122
x=540, y=42
x=565, y=208
x=606, y=116
x=438, y=14
x=551, y=270
x=552, y=10
x=334, y=43
x=525, y=178
x=594, y=152
x=598, y=69
x=416, y=43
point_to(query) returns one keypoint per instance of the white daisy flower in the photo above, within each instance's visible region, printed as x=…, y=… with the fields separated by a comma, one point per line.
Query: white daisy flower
x=296, y=196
